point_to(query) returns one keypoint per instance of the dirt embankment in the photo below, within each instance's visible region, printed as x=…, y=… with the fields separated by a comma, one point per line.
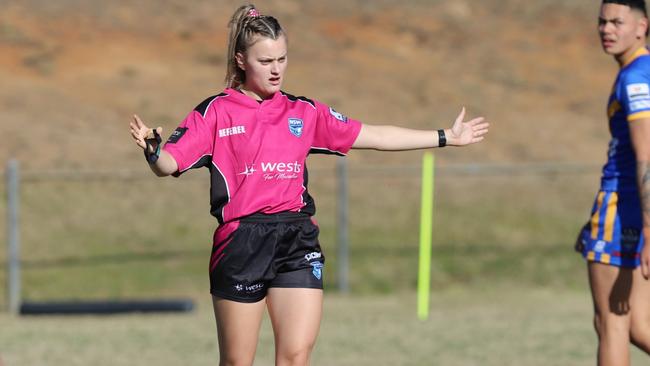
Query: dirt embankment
x=73, y=72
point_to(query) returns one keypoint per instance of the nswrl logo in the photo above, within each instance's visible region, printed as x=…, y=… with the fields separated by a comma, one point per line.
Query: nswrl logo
x=295, y=126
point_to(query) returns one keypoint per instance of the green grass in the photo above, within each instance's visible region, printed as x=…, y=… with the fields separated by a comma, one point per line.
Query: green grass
x=507, y=288
x=468, y=325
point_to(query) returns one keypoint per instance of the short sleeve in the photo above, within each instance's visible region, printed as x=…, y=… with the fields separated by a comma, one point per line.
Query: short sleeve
x=191, y=144
x=335, y=133
x=635, y=95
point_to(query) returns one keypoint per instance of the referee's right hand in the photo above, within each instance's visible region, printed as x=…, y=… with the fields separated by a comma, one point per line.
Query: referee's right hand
x=140, y=132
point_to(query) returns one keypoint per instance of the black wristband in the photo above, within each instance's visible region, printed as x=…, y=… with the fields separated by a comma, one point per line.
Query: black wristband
x=152, y=157
x=442, y=139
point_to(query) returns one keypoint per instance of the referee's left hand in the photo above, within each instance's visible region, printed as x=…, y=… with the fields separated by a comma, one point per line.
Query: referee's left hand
x=470, y=132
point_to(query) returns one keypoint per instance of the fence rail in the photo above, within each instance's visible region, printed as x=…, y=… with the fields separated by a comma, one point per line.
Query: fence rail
x=471, y=169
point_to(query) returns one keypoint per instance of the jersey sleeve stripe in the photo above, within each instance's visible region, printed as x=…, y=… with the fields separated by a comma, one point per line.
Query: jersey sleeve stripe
x=638, y=115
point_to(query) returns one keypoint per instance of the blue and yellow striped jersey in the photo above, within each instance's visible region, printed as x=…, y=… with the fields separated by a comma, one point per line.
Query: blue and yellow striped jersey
x=629, y=101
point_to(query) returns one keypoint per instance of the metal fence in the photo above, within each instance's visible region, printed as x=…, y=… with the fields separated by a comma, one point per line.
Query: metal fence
x=61, y=211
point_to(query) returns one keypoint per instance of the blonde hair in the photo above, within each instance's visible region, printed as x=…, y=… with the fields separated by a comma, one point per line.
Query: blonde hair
x=245, y=24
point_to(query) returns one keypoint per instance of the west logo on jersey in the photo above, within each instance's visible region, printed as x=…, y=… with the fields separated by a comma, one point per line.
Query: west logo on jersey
x=295, y=126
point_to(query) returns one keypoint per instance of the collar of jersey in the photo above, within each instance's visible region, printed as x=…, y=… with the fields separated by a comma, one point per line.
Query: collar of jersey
x=250, y=102
x=642, y=51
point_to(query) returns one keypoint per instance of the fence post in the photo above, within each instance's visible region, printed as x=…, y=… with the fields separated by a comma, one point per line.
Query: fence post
x=13, y=239
x=342, y=224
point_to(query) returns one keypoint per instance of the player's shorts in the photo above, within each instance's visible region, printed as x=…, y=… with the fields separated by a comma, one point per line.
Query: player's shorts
x=613, y=235
x=260, y=251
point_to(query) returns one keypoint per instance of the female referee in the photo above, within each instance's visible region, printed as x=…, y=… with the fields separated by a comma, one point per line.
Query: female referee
x=254, y=139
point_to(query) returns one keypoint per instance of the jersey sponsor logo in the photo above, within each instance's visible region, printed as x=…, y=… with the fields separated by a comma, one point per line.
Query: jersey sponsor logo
x=248, y=171
x=640, y=105
x=294, y=167
x=313, y=255
x=338, y=115
x=281, y=171
x=638, y=91
x=230, y=131
x=317, y=269
x=274, y=170
x=295, y=126
x=176, y=135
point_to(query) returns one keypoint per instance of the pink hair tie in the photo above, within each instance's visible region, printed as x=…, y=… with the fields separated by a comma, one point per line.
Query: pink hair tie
x=253, y=13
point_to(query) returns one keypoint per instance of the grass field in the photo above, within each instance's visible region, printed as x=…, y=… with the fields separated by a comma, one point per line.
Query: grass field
x=499, y=326
x=507, y=288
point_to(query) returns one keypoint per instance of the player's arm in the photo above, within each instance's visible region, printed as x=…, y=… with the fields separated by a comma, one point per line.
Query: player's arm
x=640, y=135
x=392, y=138
x=165, y=164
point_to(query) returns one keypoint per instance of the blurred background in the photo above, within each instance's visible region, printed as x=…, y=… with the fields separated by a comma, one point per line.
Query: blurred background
x=96, y=224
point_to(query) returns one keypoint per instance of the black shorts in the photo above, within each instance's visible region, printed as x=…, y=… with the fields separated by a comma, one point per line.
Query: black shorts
x=260, y=251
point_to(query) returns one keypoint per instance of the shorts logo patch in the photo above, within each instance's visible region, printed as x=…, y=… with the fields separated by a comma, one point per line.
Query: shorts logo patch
x=630, y=239
x=250, y=289
x=295, y=126
x=638, y=91
x=317, y=269
x=176, y=135
x=600, y=246
x=338, y=115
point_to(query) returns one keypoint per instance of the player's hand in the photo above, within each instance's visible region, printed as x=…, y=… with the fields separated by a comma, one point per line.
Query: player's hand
x=140, y=132
x=645, y=257
x=466, y=133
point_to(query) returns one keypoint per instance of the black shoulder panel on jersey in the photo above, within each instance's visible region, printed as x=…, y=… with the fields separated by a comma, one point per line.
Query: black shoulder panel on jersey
x=203, y=107
x=205, y=161
x=316, y=150
x=294, y=98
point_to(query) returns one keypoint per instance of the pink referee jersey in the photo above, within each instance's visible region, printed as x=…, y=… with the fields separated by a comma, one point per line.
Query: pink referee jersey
x=256, y=151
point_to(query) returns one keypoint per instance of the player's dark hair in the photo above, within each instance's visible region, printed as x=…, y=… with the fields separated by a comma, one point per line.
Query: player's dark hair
x=245, y=24
x=633, y=4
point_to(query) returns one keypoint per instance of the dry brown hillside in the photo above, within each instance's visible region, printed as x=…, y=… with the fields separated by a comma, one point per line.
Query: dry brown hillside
x=74, y=71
